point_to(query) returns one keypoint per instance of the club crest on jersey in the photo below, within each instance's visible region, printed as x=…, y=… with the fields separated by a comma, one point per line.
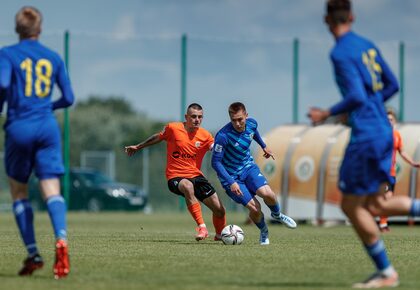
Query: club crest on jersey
x=218, y=148
x=251, y=135
x=197, y=144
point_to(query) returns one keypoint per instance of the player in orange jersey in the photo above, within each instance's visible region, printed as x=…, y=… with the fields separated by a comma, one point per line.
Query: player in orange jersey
x=187, y=143
x=398, y=147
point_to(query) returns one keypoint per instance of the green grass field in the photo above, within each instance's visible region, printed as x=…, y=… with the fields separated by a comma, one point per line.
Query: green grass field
x=158, y=251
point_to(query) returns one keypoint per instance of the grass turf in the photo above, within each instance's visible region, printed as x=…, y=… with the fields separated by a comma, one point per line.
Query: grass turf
x=158, y=251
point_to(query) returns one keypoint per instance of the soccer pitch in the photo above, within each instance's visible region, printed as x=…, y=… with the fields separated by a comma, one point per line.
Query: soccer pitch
x=158, y=251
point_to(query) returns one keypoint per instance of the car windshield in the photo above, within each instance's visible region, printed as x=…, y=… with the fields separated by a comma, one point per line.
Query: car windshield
x=90, y=178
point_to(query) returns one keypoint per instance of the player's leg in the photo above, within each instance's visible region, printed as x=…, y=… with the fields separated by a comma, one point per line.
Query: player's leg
x=186, y=187
x=18, y=161
x=365, y=169
x=248, y=200
x=48, y=168
x=257, y=216
x=219, y=214
x=365, y=226
x=206, y=193
x=24, y=216
x=57, y=211
x=256, y=182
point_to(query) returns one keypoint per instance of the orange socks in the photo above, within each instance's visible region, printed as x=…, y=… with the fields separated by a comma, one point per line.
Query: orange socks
x=195, y=210
x=219, y=223
x=383, y=221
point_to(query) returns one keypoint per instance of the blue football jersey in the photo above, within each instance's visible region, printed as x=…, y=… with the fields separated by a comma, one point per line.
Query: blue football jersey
x=231, y=152
x=365, y=82
x=28, y=72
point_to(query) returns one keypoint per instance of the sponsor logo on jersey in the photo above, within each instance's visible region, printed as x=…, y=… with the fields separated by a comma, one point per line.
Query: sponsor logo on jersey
x=218, y=148
x=178, y=154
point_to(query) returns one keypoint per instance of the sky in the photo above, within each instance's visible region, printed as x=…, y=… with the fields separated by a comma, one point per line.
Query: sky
x=237, y=50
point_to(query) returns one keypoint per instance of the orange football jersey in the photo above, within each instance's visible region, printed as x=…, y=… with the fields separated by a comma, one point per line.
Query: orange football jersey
x=397, y=147
x=184, y=151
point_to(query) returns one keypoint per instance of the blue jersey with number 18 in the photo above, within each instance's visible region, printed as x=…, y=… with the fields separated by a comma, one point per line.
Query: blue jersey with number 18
x=28, y=72
x=365, y=82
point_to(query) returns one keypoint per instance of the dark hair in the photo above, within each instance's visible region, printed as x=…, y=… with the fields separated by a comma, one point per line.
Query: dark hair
x=391, y=111
x=28, y=22
x=236, y=107
x=195, y=106
x=338, y=10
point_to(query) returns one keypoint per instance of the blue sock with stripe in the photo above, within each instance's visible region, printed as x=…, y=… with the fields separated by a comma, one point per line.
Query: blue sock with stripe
x=261, y=224
x=57, y=210
x=275, y=209
x=24, y=216
x=378, y=254
x=415, y=208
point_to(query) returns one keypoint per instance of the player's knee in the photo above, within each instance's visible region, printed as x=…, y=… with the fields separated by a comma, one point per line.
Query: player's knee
x=220, y=211
x=374, y=207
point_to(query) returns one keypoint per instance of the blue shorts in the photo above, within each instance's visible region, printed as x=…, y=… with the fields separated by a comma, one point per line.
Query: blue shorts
x=249, y=182
x=33, y=144
x=366, y=166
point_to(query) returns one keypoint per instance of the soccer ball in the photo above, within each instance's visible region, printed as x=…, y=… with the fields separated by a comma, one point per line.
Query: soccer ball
x=232, y=235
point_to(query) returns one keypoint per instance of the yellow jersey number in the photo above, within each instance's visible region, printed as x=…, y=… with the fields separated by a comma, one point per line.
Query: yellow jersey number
x=374, y=68
x=43, y=72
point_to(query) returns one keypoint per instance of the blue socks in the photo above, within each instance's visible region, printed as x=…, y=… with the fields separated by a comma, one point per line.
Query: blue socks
x=57, y=210
x=261, y=224
x=415, y=208
x=275, y=209
x=377, y=253
x=24, y=216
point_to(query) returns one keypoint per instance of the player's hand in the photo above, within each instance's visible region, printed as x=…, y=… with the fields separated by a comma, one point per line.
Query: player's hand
x=416, y=164
x=317, y=115
x=236, y=189
x=268, y=153
x=131, y=150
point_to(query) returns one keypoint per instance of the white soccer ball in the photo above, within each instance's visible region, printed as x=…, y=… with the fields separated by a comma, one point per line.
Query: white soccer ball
x=232, y=235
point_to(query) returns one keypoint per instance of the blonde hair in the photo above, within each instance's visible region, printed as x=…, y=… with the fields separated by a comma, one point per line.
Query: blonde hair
x=28, y=22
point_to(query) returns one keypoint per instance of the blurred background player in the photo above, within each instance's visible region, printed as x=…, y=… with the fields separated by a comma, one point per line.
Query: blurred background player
x=365, y=82
x=187, y=143
x=28, y=71
x=238, y=173
x=398, y=147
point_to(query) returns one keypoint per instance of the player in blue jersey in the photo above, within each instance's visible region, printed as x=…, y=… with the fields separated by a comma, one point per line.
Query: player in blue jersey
x=28, y=72
x=365, y=82
x=239, y=175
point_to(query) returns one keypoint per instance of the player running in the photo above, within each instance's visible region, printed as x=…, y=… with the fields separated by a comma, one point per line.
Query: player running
x=28, y=71
x=238, y=173
x=398, y=147
x=186, y=145
x=365, y=82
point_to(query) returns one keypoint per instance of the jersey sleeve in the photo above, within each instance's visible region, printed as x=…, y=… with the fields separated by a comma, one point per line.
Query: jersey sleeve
x=5, y=71
x=388, y=79
x=217, y=157
x=63, y=82
x=165, y=133
x=351, y=86
x=257, y=136
x=400, y=141
x=210, y=142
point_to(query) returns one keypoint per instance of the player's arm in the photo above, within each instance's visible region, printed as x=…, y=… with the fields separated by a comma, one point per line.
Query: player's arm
x=388, y=79
x=257, y=137
x=216, y=162
x=132, y=149
x=5, y=71
x=407, y=158
x=351, y=87
x=63, y=82
x=5, y=77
